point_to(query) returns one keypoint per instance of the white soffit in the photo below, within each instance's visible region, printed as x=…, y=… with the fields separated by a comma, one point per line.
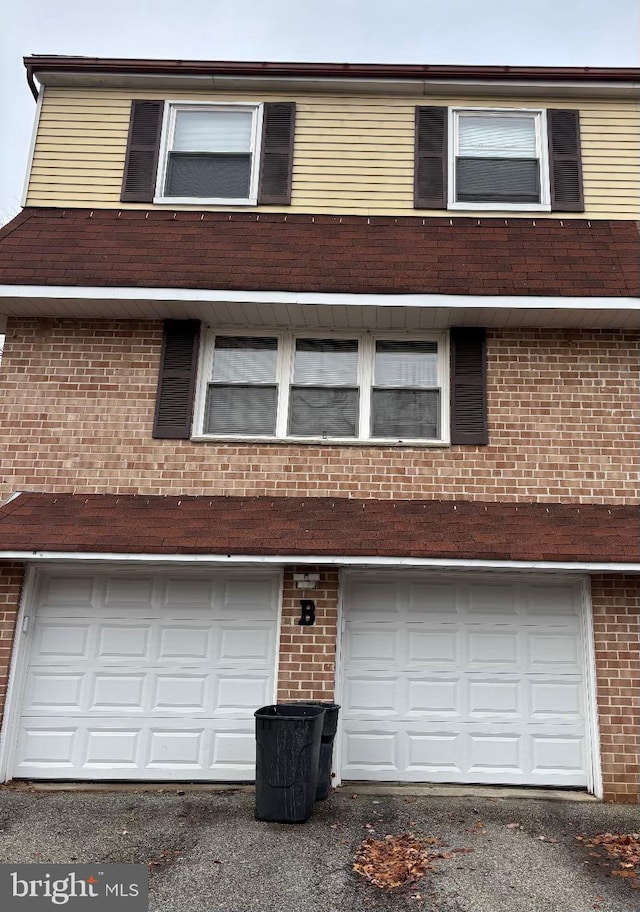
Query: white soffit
x=322, y=311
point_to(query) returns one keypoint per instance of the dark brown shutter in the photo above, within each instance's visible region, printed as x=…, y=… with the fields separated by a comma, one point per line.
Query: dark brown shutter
x=430, y=169
x=468, y=386
x=565, y=160
x=143, y=145
x=276, y=163
x=177, y=379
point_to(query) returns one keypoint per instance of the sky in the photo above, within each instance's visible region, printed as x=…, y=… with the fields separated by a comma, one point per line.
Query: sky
x=499, y=32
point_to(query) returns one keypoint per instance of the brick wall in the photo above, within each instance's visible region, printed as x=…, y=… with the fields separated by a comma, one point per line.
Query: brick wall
x=616, y=623
x=76, y=409
x=11, y=579
x=308, y=654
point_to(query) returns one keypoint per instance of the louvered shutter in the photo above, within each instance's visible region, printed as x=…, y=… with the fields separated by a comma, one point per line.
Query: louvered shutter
x=430, y=168
x=565, y=160
x=277, y=154
x=143, y=145
x=468, y=386
x=176, y=381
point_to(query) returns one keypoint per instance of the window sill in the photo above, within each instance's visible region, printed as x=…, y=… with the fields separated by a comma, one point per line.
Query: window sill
x=201, y=201
x=319, y=441
x=499, y=207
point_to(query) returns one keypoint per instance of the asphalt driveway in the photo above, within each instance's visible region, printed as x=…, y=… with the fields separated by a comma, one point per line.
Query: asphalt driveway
x=207, y=853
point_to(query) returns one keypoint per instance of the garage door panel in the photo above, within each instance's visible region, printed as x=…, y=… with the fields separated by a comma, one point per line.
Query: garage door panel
x=372, y=601
x=54, y=692
x=433, y=697
x=500, y=698
x=56, y=641
x=147, y=697
x=371, y=751
x=491, y=603
x=437, y=648
x=556, y=700
x=373, y=645
x=496, y=697
x=556, y=755
x=237, y=644
x=555, y=604
x=554, y=651
x=439, y=602
x=61, y=595
x=129, y=594
x=374, y=696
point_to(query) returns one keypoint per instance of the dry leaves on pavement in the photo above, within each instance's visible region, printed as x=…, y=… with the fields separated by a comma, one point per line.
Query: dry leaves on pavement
x=623, y=848
x=398, y=861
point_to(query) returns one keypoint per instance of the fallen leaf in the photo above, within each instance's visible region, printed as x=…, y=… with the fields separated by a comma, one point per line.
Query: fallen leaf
x=397, y=861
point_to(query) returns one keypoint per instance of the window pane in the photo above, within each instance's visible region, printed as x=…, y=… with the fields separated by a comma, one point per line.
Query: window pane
x=498, y=179
x=323, y=412
x=403, y=414
x=225, y=176
x=241, y=410
x=240, y=359
x=212, y=131
x=406, y=364
x=326, y=362
x=494, y=136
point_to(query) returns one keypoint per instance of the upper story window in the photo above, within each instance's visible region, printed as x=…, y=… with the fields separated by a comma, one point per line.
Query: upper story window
x=312, y=388
x=210, y=154
x=498, y=159
x=232, y=154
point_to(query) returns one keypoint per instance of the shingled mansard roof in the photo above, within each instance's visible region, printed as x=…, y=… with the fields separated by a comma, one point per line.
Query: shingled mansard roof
x=323, y=526
x=320, y=253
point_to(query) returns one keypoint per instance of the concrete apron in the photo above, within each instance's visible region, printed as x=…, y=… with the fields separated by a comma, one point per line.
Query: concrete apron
x=373, y=789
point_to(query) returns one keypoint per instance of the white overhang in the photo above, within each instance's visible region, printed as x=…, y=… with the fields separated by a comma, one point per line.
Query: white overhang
x=337, y=560
x=319, y=310
x=352, y=85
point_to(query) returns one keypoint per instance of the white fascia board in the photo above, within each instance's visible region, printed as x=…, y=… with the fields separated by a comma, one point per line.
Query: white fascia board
x=325, y=560
x=196, y=295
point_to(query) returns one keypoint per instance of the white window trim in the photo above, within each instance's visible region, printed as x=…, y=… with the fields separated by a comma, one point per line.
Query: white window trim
x=284, y=379
x=166, y=141
x=540, y=120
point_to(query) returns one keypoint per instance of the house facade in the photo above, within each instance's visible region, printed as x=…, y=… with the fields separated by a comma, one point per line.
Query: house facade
x=321, y=382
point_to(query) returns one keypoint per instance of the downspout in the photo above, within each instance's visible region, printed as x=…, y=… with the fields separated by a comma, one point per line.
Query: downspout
x=31, y=83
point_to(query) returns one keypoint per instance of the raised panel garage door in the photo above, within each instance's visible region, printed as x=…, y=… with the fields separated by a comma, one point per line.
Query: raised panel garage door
x=468, y=682
x=147, y=677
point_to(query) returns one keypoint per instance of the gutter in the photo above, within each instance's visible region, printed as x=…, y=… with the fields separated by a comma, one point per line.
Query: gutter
x=31, y=81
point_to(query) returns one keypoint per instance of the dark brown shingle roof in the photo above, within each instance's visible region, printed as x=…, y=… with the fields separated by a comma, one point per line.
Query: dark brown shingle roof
x=135, y=524
x=321, y=253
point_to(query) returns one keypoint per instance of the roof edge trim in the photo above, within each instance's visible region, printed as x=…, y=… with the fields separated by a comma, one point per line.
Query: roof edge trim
x=195, y=295
x=115, y=65
x=331, y=560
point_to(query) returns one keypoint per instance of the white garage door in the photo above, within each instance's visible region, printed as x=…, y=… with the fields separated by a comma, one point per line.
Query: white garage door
x=456, y=681
x=147, y=677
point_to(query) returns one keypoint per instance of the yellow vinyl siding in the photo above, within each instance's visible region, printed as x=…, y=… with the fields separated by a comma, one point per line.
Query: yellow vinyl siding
x=353, y=155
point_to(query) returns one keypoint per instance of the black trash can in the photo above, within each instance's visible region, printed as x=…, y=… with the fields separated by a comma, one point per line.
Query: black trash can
x=287, y=757
x=326, y=746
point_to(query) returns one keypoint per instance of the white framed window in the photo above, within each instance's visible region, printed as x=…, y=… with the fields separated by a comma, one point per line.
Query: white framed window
x=210, y=153
x=498, y=159
x=317, y=387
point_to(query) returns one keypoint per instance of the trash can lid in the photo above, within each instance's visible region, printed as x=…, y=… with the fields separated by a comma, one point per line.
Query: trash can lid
x=288, y=711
